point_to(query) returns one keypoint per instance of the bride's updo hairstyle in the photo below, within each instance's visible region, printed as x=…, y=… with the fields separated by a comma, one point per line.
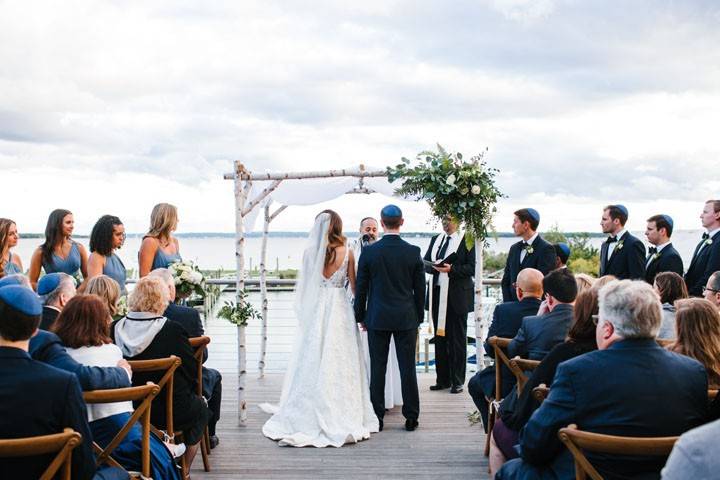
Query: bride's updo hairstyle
x=335, y=236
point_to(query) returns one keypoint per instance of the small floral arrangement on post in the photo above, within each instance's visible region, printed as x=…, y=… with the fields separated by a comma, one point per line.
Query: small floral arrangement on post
x=464, y=190
x=188, y=279
x=238, y=313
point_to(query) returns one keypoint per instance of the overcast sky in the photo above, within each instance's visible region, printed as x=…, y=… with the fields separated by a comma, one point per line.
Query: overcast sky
x=112, y=106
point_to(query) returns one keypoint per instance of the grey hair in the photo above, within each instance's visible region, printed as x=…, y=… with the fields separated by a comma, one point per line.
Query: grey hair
x=632, y=307
x=714, y=281
x=164, y=274
x=54, y=297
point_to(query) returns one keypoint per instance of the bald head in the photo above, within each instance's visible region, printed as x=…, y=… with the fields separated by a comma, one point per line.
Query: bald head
x=529, y=283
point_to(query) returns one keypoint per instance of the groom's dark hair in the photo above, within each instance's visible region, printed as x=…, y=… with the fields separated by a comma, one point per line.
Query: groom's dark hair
x=391, y=216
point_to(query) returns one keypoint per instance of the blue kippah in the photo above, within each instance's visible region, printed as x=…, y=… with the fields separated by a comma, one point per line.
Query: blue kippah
x=668, y=219
x=534, y=214
x=623, y=209
x=564, y=247
x=10, y=280
x=391, y=211
x=21, y=299
x=48, y=283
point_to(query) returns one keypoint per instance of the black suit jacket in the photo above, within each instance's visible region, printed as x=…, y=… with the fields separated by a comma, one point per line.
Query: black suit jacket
x=461, y=288
x=49, y=315
x=46, y=347
x=189, y=319
x=543, y=258
x=539, y=334
x=390, y=286
x=614, y=392
x=703, y=264
x=37, y=399
x=627, y=262
x=669, y=260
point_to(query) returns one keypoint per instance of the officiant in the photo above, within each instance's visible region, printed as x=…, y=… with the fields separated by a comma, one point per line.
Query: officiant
x=451, y=297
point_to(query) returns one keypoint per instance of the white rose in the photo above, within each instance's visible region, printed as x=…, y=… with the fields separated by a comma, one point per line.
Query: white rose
x=197, y=278
x=186, y=276
x=451, y=180
x=475, y=189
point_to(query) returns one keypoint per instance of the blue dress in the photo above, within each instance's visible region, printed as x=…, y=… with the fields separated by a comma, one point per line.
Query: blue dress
x=69, y=265
x=115, y=269
x=10, y=267
x=163, y=260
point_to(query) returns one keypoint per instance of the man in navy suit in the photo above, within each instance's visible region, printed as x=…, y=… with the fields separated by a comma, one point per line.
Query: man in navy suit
x=662, y=256
x=615, y=391
x=711, y=291
x=531, y=252
x=706, y=258
x=389, y=301
x=451, y=347
x=507, y=318
x=37, y=399
x=622, y=254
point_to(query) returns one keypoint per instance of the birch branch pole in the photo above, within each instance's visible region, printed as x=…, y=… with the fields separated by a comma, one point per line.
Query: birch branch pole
x=480, y=322
x=241, y=192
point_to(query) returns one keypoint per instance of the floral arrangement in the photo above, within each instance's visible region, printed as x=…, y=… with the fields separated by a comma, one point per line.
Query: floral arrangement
x=238, y=313
x=463, y=190
x=122, y=307
x=188, y=279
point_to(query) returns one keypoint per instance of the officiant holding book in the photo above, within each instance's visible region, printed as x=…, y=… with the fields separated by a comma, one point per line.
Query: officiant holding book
x=452, y=268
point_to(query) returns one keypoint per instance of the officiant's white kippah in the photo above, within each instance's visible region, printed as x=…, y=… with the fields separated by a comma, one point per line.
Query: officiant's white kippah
x=391, y=211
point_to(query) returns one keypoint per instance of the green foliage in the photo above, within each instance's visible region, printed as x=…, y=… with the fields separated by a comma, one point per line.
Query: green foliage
x=465, y=191
x=494, y=261
x=474, y=417
x=554, y=235
x=238, y=313
x=585, y=265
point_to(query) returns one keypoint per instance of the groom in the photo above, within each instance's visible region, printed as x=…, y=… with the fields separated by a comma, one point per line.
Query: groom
x=389, y=302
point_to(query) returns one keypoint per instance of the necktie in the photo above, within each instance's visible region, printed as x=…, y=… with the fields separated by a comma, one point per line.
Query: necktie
x=652, y=250
x=443, y=248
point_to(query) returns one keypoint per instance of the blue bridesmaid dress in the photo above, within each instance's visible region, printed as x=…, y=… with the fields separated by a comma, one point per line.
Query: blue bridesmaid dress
x=115, y=269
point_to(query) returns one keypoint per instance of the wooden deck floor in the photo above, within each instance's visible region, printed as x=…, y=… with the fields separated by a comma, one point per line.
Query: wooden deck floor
x=445, y=444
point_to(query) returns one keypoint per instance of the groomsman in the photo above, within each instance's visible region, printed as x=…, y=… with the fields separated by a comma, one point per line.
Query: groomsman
x=662, y=256
x=706, y=259
x=622, y=254
x=531, y=252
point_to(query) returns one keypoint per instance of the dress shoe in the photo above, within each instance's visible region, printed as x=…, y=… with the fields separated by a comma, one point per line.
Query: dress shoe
x=214, y=441
x=411, y=425
x=456, y=389
x=381, y=425
x=437, y=386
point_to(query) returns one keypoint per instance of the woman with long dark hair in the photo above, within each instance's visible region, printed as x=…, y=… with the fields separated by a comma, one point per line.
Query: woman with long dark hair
x=325, y=400
x=9, y=264
x=697, y=323
x=108, y=235
x=59, y=252
x=159, y=247
x=670, y=287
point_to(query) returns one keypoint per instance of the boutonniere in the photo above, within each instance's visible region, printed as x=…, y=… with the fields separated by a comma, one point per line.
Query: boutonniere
x=708, y=241
x=529, y=250
x=620, y=245
x=656, y=256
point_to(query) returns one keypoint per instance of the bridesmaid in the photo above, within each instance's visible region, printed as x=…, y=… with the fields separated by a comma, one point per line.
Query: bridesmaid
x=159, y=247
x=108, y=235
x=9, y=263
x=59, y=253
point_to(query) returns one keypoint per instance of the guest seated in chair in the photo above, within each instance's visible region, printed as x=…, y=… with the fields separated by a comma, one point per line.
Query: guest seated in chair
x=145, y=334
x=55, y=289
x=189, y=318
x=36, y=399
x=615, y=391
x=670, y=287
x=84, y=327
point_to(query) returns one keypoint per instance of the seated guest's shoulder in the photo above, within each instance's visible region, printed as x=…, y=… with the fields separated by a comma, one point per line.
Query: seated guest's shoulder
x=41, y=340
x=52, y=378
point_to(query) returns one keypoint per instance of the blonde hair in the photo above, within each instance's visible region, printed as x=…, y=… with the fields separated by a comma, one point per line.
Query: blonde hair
x=697, y=325
x=163, y=220
x=584, y=282
x=150, y=295
x=5, y=224
x=107, y=289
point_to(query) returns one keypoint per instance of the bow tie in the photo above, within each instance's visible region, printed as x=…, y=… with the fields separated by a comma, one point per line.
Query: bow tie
x=611, y=240
x=525, y=244
x=653, y=250
x=705, y=236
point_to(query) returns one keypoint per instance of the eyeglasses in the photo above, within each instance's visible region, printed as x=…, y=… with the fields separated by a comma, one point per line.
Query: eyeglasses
x=595, y=319
x=705, y=289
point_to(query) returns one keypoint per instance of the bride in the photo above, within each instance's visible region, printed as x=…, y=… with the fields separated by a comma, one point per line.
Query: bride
x=325, y=399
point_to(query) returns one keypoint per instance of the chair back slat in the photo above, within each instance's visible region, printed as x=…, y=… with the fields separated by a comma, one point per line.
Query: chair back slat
x=62, y=443
x=166, y=383
x=200, y=345
x=498, y=343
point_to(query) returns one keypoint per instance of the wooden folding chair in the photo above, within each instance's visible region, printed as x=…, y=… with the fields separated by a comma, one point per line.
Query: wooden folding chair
x=541, y=392
x=712, y=393
x=576, y=441
x=143, y=394
x=62, y=443
x=518, y=366
x=200, y=345
x=498, y=344
x=168, y=366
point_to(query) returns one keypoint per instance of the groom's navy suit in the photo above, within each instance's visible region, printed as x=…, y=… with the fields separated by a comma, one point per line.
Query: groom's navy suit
x=389, y=299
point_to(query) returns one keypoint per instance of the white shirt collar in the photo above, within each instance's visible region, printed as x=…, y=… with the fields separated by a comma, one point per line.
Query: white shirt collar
x=390, y=233
x=532, y=239
x=663, y=245
x=52, y=307
x=620, y=234
x=712, y=233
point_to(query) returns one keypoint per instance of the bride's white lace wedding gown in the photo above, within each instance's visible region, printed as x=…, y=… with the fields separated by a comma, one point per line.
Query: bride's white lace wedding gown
x=325, y=399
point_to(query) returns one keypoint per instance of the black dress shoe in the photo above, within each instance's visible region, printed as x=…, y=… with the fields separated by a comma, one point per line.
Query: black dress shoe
x=437, y=386
x=411, y=425
x=456, y=389
x=214, y=441
x=381, y=425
